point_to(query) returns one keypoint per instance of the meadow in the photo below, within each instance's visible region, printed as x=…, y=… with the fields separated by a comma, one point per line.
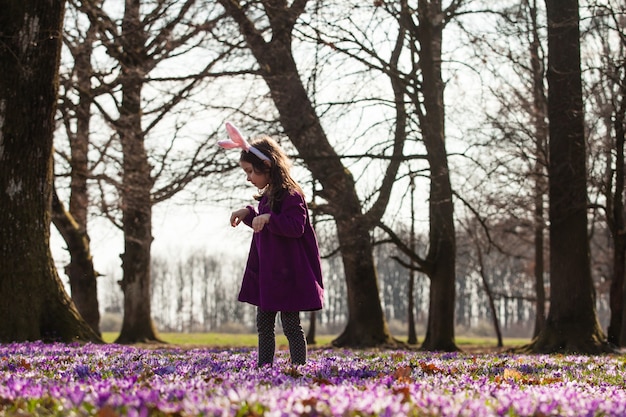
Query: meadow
x=196, y=378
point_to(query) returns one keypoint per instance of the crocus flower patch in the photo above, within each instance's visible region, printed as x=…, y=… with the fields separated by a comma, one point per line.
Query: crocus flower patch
x=113, y=380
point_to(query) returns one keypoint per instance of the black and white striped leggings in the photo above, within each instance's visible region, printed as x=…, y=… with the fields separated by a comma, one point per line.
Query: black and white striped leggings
x=265, y=322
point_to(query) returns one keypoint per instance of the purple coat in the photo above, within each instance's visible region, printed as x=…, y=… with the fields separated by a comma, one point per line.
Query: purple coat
x=283, y=271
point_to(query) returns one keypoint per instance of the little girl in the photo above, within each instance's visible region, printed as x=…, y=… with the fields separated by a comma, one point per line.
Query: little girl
x=283, y=271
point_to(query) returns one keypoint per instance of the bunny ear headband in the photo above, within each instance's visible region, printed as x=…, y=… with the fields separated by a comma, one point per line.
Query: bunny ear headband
x=237, y=141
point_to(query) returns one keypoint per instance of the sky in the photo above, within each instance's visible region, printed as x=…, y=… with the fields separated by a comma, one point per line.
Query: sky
x=178, y=231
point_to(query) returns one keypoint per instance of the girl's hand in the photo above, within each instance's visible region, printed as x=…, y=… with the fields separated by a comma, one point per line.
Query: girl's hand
x=260, y=221
x=237, y=216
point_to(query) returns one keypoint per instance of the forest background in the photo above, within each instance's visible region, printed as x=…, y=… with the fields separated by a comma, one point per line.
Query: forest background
x=419, y=131
x=198, y=260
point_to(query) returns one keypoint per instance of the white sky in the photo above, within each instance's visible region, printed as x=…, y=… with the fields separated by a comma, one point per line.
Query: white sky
x=178, y=231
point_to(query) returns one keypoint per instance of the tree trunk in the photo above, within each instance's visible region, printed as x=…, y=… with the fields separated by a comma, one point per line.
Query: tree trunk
x=442, y=254
x=540, y=291
x=617, y=326
x=137, y=325
x=572, y=324
x=80, y=270
x=34, y=304
x=541, y=137
x=492, y=304
x=310, y=335
x=616, y=329
x=366, y=322
x=412, y=334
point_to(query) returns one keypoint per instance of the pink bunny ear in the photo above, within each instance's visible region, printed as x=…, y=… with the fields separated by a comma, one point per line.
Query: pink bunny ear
x=237, y=141
x=227, y=144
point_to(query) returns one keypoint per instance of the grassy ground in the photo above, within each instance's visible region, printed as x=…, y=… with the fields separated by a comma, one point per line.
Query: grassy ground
x=250, y=340
x=218, y=339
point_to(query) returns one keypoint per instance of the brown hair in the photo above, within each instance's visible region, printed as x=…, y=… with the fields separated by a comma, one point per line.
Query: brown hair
x=280, y=177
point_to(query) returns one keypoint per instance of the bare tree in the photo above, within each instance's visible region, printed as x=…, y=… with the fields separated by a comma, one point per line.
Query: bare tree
x=35, y=305
x=276, y=64
x=412, y=337
x=136, y=175
x=538, y=116
x=440, y=260
x=572, y=324
x=482, y=270
x=418, y=90
x=607, y=34
x=519, y=126
x=72, y=223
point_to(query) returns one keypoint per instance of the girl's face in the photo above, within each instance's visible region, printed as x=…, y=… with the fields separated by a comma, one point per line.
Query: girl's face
x=258, y=179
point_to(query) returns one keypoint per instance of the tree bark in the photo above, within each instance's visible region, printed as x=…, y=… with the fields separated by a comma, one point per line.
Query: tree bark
x=617, y=326
x=310, y=335
x=72, y=225
x=137, y=325
x=34, y=304
x=412, y=333
x=541, y=137
x=572, y=324
x=442, y=253
x=80, y=270
x=616, y=331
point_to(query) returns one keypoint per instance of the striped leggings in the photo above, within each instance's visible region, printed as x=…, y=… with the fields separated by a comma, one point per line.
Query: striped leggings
x=265, y=321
